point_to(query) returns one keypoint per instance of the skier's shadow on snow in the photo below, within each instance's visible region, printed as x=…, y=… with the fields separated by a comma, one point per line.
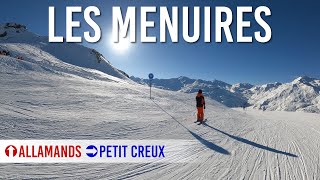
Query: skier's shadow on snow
x=246, y=141
x=207, y=143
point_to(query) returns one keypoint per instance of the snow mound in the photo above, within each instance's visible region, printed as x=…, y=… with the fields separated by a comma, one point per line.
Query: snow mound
x=15, y=38
x=36, y=61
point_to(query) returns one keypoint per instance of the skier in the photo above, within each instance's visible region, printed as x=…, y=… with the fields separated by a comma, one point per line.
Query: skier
x=200, y=106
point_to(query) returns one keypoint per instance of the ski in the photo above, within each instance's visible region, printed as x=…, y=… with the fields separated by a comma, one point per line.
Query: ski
x=201, y=122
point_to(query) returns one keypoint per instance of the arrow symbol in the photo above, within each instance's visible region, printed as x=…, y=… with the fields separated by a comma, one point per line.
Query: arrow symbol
x=11, y=150
x=91, y=149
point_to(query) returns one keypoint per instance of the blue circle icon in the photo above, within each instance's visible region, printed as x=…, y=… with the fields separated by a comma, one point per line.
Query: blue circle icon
x=91, y=148
x=151, y=76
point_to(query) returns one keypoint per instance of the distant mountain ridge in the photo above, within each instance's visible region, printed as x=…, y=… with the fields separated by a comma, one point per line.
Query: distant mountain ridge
x=217, y=90
x=302, y=94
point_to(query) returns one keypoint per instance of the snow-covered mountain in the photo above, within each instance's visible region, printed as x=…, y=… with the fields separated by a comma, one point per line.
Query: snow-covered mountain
x=240, y=87
x=18, y=41
x=217, y=90
x=300, y=95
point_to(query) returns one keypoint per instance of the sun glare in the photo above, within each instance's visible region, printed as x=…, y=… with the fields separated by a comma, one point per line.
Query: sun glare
x=122, y=46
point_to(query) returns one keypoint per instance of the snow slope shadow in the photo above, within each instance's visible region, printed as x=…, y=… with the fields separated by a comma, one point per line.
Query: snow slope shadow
x=203, y=141
x=246, y=141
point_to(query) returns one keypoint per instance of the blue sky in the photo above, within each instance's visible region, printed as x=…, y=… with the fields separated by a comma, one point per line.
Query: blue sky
x=293, y=51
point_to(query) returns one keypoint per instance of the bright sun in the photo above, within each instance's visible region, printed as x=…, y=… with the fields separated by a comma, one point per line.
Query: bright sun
x=122, y=46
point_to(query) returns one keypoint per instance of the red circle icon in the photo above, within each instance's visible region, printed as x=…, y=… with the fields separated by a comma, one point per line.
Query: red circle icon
x=11, y=150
